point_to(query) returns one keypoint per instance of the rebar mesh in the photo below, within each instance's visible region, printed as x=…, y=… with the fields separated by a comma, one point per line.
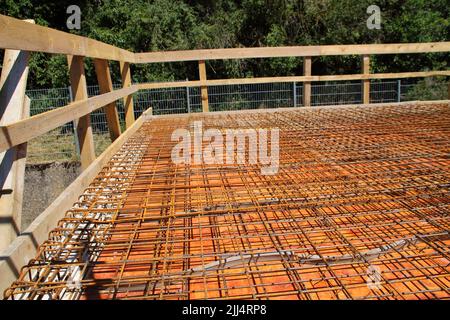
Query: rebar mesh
x=358, y=210
x=60, y=144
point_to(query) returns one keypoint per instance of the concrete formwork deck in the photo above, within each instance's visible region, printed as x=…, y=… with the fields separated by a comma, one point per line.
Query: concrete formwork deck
x=359, y=209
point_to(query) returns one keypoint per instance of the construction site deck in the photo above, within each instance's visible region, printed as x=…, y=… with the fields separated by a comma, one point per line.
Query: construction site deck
x=359, y=209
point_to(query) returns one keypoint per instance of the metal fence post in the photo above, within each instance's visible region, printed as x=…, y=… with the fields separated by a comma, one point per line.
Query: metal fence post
x=188, y=99
x=295, y=94
x=399, y=90
x=70, y=93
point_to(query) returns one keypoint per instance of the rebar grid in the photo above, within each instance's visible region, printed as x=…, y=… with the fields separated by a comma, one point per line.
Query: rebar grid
x=358, y=210
x=60, y=144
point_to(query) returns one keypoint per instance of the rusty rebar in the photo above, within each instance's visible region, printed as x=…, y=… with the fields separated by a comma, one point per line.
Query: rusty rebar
x=358, y=189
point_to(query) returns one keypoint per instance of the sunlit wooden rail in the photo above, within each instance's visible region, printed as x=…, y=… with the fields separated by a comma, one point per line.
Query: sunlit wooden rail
x=19, y=38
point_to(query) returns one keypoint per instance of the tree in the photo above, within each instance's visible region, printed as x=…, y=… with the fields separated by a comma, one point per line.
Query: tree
x=155, y=25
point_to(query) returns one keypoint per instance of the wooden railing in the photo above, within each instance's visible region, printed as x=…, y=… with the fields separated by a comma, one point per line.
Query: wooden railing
x=21, y=37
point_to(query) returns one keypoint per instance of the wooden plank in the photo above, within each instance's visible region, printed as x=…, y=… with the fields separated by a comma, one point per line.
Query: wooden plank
x=105, y=85
x=19, y=35
x=13, y=82
x=203, y=88
x=128, y=103
x=176, y=84
x=418, y=74
x=282, y=109
x=83, y=124
x=307, y=64
x=366, y=82
x=219, y=82
x=294, y=51
x=43, y=39
x=24, y=247
x=24, y=130
x=21, y=164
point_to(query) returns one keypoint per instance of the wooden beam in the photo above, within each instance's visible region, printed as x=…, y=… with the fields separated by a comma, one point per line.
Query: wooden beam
x=13, y=107
x=204, y=88
x=22, y=131
x=128, y=103
x=366, y=83
x=19, y=35
x=307, y=63
x=24, y=247
x=294, y=51
x=105, y=85
x=43, y=39
x=300, y=108
x=177, y=84
x=21, y=164
x=346, y=77
x=83, y=124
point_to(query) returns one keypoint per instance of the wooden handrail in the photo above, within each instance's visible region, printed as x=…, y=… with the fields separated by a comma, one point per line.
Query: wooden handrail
x=294, y=51
x=43, y=39
x=346, y=77
x=22, y=131
x=20, y=35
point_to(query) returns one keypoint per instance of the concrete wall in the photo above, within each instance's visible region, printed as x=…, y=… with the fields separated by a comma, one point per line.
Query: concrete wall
x=43, y=183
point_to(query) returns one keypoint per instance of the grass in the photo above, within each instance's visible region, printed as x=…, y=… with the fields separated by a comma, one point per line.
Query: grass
x=55, y=146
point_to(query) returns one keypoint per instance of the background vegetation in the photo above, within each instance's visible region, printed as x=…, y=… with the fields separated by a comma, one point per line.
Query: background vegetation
x=192, y=24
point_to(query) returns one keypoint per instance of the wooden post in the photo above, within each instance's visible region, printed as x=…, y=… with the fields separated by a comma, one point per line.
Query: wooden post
x=307, y=63
x=204, y=89
x=128, y=100
x=83, y=124
x=366, y=83
x=105, y=84
x=14, y=106
x=21, y=165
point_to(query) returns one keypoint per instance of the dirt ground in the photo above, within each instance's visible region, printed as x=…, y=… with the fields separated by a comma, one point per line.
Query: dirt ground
x=43, y=183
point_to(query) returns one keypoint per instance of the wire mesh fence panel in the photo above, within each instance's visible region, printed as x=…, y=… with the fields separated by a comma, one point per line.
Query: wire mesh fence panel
x=98, y=117
x=385, y=91
x=58, y=144
x=252, y=96
x=99, y=123
x=404, y=89
x=43, y=100
x=298, y=100
x=162, y=101
x=195, y=99
x=336, y=93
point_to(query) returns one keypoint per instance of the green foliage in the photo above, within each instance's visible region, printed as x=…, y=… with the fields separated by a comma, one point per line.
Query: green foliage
x=153, y=25
x=429, y=89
